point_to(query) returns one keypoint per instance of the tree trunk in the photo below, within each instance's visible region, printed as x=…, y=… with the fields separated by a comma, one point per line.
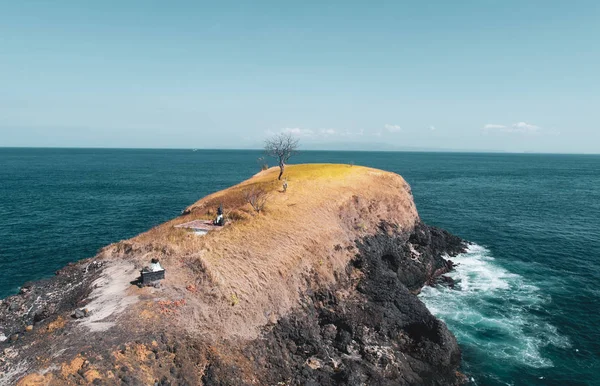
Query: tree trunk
x=281, y=166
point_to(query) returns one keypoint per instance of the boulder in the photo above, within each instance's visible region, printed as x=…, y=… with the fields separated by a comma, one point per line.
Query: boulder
x=80, y=313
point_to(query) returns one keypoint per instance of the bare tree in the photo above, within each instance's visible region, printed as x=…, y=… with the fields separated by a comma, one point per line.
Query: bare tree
x=256, y=196
x=281, y=146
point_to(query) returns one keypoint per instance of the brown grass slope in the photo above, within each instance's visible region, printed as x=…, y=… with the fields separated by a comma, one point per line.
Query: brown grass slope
x=253, y=270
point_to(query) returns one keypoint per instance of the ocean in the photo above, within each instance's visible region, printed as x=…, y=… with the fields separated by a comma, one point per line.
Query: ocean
x=525, y=308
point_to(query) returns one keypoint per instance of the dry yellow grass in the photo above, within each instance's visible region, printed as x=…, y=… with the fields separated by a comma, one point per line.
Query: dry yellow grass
x=36, y=380
x=253, y=270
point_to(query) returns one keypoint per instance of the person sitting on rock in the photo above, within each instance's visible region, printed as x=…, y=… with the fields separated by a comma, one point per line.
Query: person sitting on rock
x=155, y=266
x=220, y=221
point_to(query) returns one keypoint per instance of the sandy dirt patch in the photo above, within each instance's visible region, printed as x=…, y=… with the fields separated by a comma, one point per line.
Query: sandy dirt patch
x=110, y=296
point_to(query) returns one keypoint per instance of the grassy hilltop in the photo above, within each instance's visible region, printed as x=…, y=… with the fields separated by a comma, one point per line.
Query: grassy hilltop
x=258, y=259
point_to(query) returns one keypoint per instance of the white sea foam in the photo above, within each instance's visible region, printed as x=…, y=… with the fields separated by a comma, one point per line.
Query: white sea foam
x=491, y=310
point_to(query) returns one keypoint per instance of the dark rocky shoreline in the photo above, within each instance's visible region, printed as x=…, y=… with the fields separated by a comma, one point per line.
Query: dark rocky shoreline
x=368, y=329
x=40, y=300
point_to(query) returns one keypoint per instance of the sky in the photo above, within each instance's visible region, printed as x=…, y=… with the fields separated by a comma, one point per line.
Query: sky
x=485, y=75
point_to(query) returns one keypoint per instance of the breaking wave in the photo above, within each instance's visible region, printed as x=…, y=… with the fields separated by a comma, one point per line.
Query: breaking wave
x=495, y=314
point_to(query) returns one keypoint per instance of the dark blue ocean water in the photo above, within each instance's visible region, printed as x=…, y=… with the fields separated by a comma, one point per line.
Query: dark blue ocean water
x=526, y=308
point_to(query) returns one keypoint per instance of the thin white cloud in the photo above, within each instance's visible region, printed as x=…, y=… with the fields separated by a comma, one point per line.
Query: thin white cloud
x=328, y=131
x=392, y=128
x=432, y=128
x=519, y=127
x=492, y=126
x=298, y=131
x=347, y=133
x=525, y=127
x=317, y=133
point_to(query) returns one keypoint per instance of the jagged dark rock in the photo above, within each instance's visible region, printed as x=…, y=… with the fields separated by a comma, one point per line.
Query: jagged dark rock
x=36, y=301
x=380, y=334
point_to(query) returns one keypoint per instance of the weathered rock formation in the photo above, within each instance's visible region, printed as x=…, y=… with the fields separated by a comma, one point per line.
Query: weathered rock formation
x=320, y=289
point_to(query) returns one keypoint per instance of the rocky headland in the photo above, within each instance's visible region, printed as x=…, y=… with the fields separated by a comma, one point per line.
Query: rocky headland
x=318, y=288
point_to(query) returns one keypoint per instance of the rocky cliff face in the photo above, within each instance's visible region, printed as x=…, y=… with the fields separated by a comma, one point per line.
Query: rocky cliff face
x=334, y=305
x=368, y=329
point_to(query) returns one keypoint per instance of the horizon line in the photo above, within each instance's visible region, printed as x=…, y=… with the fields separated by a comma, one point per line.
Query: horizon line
x=464, y=151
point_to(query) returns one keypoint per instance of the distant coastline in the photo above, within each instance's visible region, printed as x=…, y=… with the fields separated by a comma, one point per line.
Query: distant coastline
x=312, y=149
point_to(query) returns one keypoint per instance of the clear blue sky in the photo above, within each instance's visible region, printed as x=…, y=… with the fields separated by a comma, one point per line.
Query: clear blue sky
x=473, y=75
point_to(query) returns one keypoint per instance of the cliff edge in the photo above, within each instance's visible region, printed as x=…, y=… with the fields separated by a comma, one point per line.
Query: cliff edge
x=318, y=288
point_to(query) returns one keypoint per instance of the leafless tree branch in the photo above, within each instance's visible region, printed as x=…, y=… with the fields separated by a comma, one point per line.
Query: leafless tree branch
x=281, y=146
x=256, y=196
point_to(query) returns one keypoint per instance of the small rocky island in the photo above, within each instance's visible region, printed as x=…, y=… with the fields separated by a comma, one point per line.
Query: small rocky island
x=318, y=287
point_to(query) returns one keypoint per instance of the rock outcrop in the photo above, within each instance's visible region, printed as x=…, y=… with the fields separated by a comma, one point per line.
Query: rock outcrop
x=319, y=289
x=368, y=329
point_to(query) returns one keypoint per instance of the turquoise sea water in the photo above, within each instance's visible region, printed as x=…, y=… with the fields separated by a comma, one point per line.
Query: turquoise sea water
x=526, y=305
